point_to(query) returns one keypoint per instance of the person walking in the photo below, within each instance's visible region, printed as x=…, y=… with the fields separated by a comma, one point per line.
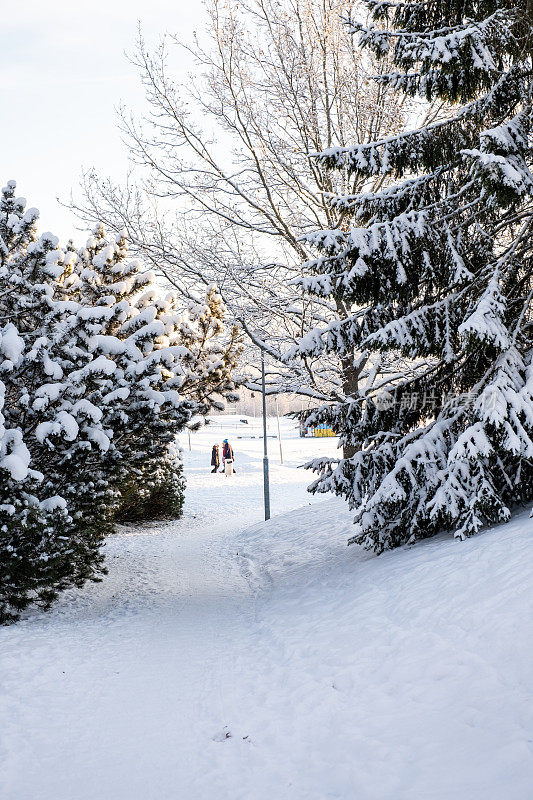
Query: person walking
x=228, y=458
x=215, y=458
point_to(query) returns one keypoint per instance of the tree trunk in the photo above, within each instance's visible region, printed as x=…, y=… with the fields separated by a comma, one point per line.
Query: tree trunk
x=350, y=373
x=350, y=387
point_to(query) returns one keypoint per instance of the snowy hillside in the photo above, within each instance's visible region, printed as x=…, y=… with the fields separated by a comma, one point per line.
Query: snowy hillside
x=228, y=658
x=404, y=676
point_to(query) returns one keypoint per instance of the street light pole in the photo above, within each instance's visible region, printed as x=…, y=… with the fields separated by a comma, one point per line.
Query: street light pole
x=266, y=488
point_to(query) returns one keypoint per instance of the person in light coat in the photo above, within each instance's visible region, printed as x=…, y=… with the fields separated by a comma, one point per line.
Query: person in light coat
x=228, y=458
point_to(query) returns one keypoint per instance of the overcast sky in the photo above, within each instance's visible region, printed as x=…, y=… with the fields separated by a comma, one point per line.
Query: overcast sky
x=62, y=73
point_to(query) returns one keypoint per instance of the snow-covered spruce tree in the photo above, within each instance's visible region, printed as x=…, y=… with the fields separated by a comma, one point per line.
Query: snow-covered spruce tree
x=439, y=278
x=165, y=365
x=30, y=552
x=47, y=433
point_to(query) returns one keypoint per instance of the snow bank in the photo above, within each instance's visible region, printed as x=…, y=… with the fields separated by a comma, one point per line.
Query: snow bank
x=306, y=539
x=404, y=676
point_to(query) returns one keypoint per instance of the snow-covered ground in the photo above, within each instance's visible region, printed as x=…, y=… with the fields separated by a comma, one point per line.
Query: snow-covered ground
x=227, y=658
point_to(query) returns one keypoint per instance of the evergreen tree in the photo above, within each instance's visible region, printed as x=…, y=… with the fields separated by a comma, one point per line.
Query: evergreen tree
x=98, y=373
x=439, y=281
x=46, y=430
x=169, y=364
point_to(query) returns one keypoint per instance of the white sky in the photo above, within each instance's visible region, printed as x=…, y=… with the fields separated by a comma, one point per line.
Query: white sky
x=63, y=72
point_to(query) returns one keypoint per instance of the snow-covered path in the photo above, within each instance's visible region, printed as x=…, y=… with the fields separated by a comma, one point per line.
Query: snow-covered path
x=125, y=689
x=226, y=659
x=116, y=699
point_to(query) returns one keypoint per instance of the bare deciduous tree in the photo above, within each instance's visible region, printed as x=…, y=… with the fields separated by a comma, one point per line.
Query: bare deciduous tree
x=225, y=185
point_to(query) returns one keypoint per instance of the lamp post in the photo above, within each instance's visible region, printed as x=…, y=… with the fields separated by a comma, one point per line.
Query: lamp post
x=266, y=487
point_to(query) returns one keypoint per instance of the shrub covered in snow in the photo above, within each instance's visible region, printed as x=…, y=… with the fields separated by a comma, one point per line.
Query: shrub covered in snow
x=438, y=282
x=98, y=372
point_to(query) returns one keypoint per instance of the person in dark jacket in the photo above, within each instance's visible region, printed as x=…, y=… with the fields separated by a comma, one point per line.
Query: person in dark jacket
x=228, y=458
x=215, y=458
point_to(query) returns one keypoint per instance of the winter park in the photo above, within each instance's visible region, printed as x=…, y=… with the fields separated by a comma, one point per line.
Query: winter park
x=266, y=400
